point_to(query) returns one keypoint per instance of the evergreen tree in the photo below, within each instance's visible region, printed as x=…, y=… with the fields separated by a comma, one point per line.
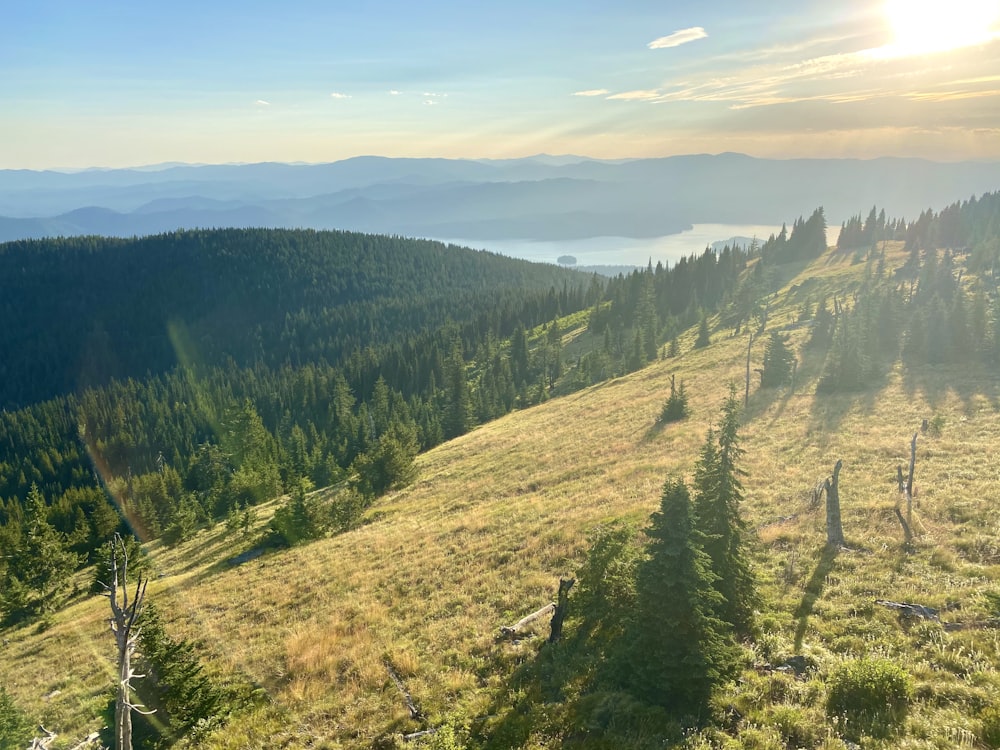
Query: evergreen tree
x=676, y=407
x=778, y=361
x=680, y=650
x=704, y=335
x=39, y=570
x=718, y=495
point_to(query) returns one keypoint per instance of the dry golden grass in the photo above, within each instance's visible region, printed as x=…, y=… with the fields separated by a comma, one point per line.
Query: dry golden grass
x=498, y=515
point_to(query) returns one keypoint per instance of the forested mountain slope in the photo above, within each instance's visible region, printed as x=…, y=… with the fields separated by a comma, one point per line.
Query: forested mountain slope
x=884, y=336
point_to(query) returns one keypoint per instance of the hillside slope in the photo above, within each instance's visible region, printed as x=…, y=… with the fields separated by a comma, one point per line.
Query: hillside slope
x=498, y=515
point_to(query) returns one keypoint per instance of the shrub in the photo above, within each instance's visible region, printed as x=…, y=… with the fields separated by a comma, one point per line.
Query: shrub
x=870, y=696
x=989, y=732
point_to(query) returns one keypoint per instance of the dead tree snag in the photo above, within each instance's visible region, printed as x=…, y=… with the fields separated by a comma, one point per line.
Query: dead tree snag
x=834, y=528
x=562, y=606
x=125, y=613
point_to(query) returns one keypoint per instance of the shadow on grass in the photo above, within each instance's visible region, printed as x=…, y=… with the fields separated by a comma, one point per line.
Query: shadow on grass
x=813, y=590
x=968, y=381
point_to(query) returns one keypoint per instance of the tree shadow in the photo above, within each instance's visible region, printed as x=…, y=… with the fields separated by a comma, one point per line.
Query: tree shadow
x=813, y=590
x=967, y=381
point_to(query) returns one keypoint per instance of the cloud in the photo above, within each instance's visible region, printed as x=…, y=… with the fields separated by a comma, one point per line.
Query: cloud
x=429, y=102
x=393, y=92
x=678, y=38
x=591, y=92
x=639, y=95
x=338, y=95
x=262, y=103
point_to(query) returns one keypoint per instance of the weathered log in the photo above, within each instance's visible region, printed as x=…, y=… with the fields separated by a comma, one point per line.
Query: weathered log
x=417, y=735
x=43, y=743
x=524, y=622
x=911, y=611
x=411, y=705
x=834, y=528
x=559, y=614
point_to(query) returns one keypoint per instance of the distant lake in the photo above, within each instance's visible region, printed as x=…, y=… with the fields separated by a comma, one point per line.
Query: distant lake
x=624, y=251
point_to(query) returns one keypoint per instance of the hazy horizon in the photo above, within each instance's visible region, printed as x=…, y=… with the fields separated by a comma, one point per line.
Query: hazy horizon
x=91, y=86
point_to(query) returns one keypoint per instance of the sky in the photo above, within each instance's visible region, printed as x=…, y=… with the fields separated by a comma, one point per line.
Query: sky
x=113, y=84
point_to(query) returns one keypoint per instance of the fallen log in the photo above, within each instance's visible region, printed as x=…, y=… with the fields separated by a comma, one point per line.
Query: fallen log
x=414, y=709
x=517, y=627
x=417, y=735
x=911, y=611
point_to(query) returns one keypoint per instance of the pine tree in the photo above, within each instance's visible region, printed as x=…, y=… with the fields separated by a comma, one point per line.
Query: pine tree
x=704, y=336
x=676, y=407
x=718, y=495
x=778, y=360
x=39, y=571
x=680, y=650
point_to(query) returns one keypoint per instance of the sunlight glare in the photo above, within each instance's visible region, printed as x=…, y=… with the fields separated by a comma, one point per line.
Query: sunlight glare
x=925, y=26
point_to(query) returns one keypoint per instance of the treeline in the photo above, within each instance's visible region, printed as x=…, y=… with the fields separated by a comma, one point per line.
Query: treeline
x=928, y=311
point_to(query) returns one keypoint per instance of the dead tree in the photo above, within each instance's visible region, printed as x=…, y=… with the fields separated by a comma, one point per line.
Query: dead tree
x=834, y=529
x=125, y=613
x=562, y=606
x=906, y=491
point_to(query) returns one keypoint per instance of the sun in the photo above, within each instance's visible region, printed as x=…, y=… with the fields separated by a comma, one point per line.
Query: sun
x=926, y=26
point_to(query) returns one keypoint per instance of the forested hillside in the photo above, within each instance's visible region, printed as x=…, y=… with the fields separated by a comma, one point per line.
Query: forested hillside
x=189, y=377
x=832, y=355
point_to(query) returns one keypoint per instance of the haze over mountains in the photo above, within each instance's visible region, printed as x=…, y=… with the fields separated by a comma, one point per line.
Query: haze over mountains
x=536, y=198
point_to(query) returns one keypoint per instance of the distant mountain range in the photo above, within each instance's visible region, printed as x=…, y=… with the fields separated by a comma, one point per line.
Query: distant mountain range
x=535, y=198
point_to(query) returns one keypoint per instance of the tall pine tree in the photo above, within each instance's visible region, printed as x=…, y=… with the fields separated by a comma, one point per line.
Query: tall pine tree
x=681, y=649
x=718, y=495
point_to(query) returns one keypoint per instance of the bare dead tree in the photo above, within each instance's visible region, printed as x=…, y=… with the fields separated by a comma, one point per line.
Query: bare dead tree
x=562, y=608
x=909, y=480
x=834, y=528
x=906, y=492
x=125, y=613
x=746, y=393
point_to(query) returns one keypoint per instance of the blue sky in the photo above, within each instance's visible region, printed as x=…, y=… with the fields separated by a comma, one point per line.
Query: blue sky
x=129, y=83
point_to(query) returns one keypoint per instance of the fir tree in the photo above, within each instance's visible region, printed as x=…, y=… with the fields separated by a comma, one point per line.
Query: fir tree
x=680, y=650
x=704, y=335
x=676, y=407
x=778, y=360
x=718, y=495
x=39, y=570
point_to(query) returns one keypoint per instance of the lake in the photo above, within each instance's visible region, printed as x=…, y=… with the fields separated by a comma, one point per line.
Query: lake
x=624, y=251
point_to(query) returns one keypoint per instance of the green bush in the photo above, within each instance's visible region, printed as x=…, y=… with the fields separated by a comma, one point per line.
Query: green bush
x=989, y=733
x=869, y=696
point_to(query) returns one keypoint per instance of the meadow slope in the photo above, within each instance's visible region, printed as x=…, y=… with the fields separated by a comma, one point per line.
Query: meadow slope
x=498, y=515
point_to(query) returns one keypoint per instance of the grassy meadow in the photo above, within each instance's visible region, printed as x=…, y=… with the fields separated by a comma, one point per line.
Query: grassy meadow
x=498, y=515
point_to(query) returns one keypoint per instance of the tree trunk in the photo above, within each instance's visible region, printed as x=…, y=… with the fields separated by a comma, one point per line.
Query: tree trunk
x=909, y=481
x=834, y=529
x=746, y=393
x=562, y=606
x=124, y=614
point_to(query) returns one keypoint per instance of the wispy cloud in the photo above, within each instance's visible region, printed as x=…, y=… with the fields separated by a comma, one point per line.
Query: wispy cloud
x=639, y=95
x=339, y=95
x=591, y=92
x=262, y=103
x=678, y=38
x=393, y=92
